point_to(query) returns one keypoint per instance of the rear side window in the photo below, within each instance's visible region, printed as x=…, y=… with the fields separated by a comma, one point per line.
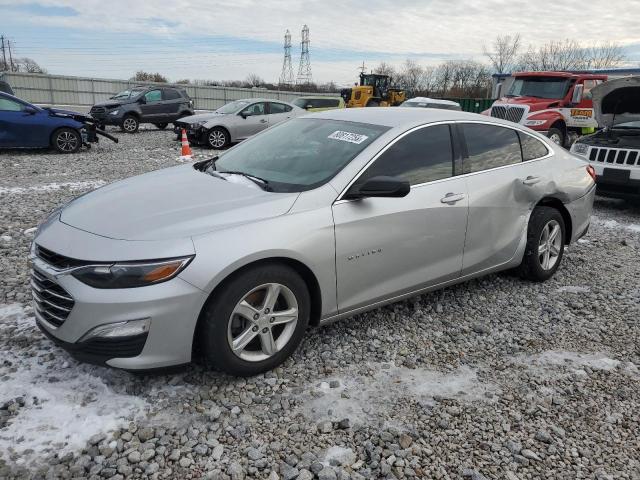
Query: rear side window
x=490, y=146
x=422, y=156
x=153, y=96
x=279, y=108
x=532, y=148
x=171, y=94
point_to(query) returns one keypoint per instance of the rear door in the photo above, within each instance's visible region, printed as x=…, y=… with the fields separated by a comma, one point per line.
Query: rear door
x=278, y=112
x=152, y=110
x=503, y=189
x=171, y=101
x=390, y=246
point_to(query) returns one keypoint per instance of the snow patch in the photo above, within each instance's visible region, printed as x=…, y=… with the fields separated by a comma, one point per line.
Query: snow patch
x=49, y=187
x=573, y=360
x=574, y=289
x=6, y=238
x=338, y=455
x=366, y=399
x=63, y=404
x=31, y=230
x=613, y=224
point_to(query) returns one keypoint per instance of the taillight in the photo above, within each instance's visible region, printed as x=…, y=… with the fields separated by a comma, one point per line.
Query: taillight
x=591, y=171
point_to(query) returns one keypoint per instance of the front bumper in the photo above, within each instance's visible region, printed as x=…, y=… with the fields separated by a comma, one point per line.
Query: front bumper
x=107, y=119
x=617, y=182
x=195, y=133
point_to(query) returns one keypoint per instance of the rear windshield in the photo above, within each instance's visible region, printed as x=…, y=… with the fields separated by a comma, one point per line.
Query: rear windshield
x=300, y=154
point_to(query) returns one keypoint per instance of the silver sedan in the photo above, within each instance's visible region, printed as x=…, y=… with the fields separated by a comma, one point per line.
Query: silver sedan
x=236, y=121
x=311, y=221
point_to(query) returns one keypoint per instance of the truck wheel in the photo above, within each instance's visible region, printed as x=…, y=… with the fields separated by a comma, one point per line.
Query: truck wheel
x=130, y=124
x=66, y=140
x=255, y=321
x=545, y=245
x=556, y=136
x=161, y=126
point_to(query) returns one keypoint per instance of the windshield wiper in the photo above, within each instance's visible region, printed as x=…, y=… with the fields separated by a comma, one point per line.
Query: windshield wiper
x=261, y=182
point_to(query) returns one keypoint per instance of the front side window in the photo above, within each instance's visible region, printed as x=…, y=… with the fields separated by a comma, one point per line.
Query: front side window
x=532, y=148
x=7, y=105
x=424, y=155
x=300, y=154
x=153, y=96
x=490, y=146
x=253, y=110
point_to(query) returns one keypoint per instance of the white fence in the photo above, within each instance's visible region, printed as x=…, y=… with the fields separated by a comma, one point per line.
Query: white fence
x=59, y=90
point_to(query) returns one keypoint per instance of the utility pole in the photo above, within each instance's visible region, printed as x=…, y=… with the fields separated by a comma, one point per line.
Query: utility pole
x=304, y=71
x=286, y=77
x=4, y=54
x=10, y=57
x=362, y=68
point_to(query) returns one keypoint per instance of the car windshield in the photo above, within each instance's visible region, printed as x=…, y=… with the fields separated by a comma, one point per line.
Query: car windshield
x=300, y=154
x=300, y=102
x=632, y=125
x=540, y=87
x=233, y=107
x=128, y=93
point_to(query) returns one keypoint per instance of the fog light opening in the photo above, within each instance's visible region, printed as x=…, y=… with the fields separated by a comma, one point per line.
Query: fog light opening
x=130, y=328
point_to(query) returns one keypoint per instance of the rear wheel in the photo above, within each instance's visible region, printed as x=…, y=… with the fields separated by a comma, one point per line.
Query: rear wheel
x=556, y=136
x=256, y=320
x=130, y=124
x=218, y=138
x=66, y=140
x=545, y=245
x=161, y=126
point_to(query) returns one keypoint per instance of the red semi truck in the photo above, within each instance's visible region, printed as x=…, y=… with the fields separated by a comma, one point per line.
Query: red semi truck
x=557, y=104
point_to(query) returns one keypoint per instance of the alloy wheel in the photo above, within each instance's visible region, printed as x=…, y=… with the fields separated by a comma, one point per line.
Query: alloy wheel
x=555, y=138
x=129, y=124
x=262, y=322
x=67, y=141
x=550, y=245
x=217, y=139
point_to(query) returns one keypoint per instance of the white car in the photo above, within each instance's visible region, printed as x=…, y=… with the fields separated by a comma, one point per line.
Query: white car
x=426, y=102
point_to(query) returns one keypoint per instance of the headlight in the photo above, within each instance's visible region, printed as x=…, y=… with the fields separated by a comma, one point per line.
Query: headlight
x=534, y=123
x=115, y=112
x=131, y=274
x=580, y=149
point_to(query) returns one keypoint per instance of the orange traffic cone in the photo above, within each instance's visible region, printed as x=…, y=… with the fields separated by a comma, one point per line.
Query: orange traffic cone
x=186, y=149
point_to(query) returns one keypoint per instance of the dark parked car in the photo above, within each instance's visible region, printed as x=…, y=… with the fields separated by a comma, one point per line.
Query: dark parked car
x=143, y=104
x=23, y=125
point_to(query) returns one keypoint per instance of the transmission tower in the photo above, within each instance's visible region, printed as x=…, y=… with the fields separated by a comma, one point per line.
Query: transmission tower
x=304, y=71
x=286, y=77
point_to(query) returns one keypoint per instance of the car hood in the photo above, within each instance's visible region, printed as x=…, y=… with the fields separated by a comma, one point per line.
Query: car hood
x=534, y=103
x=171, y=203
x=115, y=103
x=617, y=101
x=202, y=117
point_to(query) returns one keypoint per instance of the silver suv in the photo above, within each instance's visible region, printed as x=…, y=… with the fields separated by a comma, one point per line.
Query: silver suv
x=313, y=220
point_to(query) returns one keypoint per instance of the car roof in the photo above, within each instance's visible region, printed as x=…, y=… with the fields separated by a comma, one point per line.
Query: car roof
x=432, y=100
x=259, y=99
x=404, y=116
x=320, y=97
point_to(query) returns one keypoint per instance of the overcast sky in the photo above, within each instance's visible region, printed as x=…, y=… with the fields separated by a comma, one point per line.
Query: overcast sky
x=213, y=39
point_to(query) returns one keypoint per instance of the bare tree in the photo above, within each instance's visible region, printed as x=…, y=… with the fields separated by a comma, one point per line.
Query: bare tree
x=385, y=69
x=254, y=80
x=27, y=65
x=605, y=55
x=504, y=52
x=142, y=76
x=411, y=76
x=570, y=55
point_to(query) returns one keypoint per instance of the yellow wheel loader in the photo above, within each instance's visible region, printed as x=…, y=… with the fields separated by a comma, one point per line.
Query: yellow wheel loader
x=374, y=91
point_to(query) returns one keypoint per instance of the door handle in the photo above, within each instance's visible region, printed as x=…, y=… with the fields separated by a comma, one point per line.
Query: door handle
x=530, y=180
x=452, y=198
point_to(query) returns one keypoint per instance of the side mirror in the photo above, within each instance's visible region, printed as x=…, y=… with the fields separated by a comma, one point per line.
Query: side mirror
x=381, y=186
x=577, y=94
x=245, y=114
x=29, y=110
x=142, y=100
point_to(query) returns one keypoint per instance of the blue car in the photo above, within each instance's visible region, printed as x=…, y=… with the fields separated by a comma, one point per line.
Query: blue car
x=23, y=125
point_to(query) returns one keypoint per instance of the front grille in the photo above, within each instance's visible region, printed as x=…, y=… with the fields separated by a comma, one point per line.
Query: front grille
x=615, y=156
x=99, y=110
x=52, y=301
x=513, y=114
x=56, y=260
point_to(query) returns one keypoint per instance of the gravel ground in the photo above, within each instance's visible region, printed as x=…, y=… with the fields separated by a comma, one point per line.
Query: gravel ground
x=495, y=378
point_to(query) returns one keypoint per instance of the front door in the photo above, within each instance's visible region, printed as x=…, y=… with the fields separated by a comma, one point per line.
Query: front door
x=390, y=246
x=153, y=109
x=253, y=119
x=502, y=191
x=19, y=128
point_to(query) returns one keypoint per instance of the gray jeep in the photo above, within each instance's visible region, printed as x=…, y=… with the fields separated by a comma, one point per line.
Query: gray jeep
x=158, y=105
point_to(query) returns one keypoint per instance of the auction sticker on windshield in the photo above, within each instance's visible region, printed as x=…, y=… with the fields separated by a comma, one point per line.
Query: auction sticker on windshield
x=348, y=137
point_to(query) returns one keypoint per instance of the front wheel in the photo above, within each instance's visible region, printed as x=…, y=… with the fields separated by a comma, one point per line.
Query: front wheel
x=556, y=136
x=218, y=138
x=67, y=140
x=256, y=321
x=130, y=124
x=545, y=245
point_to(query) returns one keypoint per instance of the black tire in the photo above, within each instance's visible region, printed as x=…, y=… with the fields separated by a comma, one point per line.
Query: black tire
x=373, y=103
x=557, y=136
x=212, y=335
x=161, y=126
x=130, y=124
x=217, y=138
x=66, y=140
x=532, y=267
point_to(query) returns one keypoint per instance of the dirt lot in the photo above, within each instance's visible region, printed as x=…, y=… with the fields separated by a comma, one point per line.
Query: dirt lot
x=495, y=378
